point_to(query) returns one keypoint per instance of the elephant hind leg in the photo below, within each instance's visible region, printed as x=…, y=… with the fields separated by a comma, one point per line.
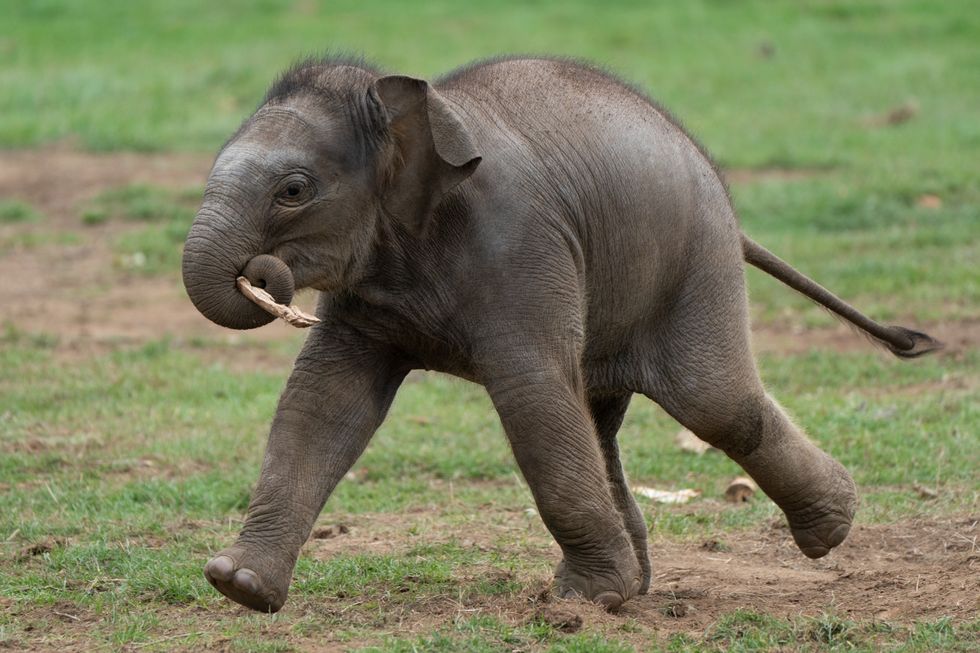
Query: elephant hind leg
x=607, y=413
x=547, y=422
x=814, y=491
x=705, y=377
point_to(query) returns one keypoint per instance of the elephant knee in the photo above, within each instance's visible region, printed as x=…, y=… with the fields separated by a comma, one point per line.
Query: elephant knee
x=737, y=429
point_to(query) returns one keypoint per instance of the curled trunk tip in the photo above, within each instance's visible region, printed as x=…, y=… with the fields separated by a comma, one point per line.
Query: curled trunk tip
x=211, y=284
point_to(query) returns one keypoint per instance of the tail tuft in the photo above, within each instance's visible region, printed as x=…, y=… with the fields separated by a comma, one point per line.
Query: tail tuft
x=918, y=343
x=902, y=342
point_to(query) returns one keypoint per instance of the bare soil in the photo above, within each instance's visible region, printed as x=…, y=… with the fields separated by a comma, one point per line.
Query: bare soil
x=896, y=572
x=913, y=570
x=901, y=572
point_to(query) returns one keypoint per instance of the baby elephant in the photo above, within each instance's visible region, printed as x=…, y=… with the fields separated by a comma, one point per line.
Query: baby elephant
x=536, y=226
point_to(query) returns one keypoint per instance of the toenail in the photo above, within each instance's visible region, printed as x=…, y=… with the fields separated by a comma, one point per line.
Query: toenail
x=221, y=568
x=838, y=535
x=246, y=581
x=609, y=600
x=817, y=551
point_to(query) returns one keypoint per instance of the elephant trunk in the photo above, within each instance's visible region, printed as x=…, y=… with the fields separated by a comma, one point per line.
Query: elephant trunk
x=215, y=255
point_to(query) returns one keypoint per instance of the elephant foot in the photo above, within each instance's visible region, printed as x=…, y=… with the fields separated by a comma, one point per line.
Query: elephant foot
x=646, y=571
x=248, y=579
x=637, y=529
x=608, y=589
x=818, y=526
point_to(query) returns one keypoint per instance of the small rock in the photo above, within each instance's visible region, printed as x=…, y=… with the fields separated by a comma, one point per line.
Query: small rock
x=765, y=50
x=902, y=113
x=740, y=490
x=714, y=546
x=329, y=532
x=357, y=475
x=676, y=610
x=894, y=116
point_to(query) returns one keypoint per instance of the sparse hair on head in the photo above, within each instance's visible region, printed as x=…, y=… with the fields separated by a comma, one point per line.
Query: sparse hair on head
x=308, y=75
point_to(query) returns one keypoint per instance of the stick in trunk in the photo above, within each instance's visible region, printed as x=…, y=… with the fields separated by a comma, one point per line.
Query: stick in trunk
x=290, y=314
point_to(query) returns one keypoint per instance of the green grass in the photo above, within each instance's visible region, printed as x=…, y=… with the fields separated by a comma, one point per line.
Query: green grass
x=143, y=203
x=125, y=470
x=113, y=462
x=745, y=630
x=808, y=106
x=31, y=238
x=488, y=635
x=874, y=246
x=155, y=248
x=13, y=212
x=165, y=81
x=441, y=430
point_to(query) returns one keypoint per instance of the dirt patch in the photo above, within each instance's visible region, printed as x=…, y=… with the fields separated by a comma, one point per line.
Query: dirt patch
x=898, y=572
x=77, y=292
x=57, y=179
x=914, y=570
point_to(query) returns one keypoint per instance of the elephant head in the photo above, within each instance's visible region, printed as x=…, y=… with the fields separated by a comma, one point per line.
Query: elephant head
x=298, y=196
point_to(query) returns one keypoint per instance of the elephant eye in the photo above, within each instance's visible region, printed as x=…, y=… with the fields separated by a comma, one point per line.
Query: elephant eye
x=294, y=190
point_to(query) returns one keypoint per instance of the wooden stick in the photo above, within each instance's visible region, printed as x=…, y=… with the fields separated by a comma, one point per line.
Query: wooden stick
x=264, y=300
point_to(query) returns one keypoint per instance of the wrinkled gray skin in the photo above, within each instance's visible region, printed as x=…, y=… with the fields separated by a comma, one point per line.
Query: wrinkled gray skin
x=535, y=226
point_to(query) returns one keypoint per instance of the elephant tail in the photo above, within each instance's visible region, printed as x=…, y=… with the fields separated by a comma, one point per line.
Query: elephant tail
x=904, y=343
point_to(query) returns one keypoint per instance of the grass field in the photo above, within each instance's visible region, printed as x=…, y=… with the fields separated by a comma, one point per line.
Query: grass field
x=850, y=136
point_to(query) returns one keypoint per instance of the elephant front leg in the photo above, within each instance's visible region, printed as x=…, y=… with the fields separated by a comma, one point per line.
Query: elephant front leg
x=327, y=414
x=553, y=439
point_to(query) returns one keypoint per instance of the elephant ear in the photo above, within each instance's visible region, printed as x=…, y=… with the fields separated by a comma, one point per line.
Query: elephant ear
x=434, y=150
